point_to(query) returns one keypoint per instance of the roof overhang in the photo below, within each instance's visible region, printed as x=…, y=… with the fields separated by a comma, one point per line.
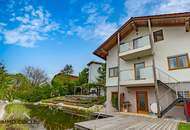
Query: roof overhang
x=174, y=19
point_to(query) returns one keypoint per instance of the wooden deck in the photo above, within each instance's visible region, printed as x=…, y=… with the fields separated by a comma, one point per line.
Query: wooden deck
x=128, y=122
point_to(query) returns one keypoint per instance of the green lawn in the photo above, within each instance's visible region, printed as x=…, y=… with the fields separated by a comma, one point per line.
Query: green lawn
x=184, y=126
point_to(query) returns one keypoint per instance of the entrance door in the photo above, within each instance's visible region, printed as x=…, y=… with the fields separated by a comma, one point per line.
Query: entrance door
x=142, y=101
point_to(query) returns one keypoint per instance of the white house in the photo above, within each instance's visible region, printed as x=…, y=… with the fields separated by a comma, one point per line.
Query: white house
x=147, y=63
x=93, y=74
x=93, y=67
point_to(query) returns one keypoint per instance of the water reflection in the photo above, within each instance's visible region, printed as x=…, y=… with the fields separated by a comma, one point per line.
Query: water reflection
x=49, y=118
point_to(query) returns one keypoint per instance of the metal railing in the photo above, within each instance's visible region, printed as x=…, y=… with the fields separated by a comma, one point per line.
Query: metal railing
x=167, y=96
x=132, y=74
x=135, y=43
x=167, y=79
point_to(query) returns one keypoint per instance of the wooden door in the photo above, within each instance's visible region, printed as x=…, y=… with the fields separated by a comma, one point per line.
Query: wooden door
x=142, y=101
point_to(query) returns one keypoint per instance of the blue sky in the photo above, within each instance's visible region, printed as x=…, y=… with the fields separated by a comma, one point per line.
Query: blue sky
x=51, y=33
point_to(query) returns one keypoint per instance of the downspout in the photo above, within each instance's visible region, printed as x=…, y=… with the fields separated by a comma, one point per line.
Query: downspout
x=118, y=42
x=154, y=67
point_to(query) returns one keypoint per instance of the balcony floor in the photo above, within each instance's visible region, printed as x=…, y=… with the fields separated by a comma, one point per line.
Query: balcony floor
x=136, y=53
x=131, y=83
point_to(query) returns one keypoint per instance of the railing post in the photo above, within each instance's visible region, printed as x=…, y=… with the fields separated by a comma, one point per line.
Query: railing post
x=154, y=68
x=118, y=42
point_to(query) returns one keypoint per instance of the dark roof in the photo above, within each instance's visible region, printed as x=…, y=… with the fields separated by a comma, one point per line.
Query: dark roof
x=174, y=19
x=94, y=62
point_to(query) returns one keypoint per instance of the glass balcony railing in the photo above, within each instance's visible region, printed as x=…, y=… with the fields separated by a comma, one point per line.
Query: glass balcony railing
x=135, y=43
x=141, y=74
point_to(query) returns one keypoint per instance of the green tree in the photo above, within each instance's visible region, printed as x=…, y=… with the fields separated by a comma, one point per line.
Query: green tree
x=102, y=75
x=6, y=81
x=3, y=75
x=83, y=76
x=67, y=70
x=63, y=84
x=101, y=79
x=83, y=81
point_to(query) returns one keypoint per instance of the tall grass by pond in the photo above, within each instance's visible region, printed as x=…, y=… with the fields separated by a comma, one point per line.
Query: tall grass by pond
x=51, y=118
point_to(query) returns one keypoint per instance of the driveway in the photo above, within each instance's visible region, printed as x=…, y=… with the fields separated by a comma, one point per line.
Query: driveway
x=129, y=122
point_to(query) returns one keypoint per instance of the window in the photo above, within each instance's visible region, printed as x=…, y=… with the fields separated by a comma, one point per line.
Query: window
x=178, y=62
x=158, y=36
x=113, y=72
x=136, y=43
x=138, y=68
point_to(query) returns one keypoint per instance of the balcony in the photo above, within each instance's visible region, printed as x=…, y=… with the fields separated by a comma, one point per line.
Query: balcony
x=136, y=48
x=132, y=77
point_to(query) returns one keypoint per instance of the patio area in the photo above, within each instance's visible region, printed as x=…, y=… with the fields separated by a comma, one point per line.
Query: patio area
x=129, y=122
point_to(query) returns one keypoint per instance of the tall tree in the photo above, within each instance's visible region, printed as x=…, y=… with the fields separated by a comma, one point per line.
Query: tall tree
x=68, y=69
x=83, y=80
x=6, y=82
x=5, y=79
x=3, y=74
x=101, y=78
x=83, y=76
x=102, y=75
x=36, y=76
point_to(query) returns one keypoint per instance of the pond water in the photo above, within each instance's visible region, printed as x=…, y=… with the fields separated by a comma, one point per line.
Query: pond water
x=49, y=118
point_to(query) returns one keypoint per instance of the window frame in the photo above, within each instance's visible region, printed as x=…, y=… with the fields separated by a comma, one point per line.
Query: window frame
x=177, y=62
x=154, y=35
x=114, y=74
x=136, y=39
x=135, y=69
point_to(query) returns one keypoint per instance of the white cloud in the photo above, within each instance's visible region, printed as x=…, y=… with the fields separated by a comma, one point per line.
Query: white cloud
x=105, y=29
x=23, y=37
x=107, y=8
x=134, y=8
x=89, y=8
x=34, y=25
x=172, y=6
x=97, y=25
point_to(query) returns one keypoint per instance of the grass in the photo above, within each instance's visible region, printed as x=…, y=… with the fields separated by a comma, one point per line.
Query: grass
x=52, y=117
x=16, y=111
x=14, y=127
x=184, y=126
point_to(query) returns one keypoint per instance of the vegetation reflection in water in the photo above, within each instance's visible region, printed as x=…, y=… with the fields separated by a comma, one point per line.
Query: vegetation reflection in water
x=51, y=118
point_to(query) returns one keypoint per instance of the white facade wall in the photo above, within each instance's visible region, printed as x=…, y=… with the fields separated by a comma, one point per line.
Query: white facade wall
x=176, y=41
x=93, y=72
x=112, y=61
